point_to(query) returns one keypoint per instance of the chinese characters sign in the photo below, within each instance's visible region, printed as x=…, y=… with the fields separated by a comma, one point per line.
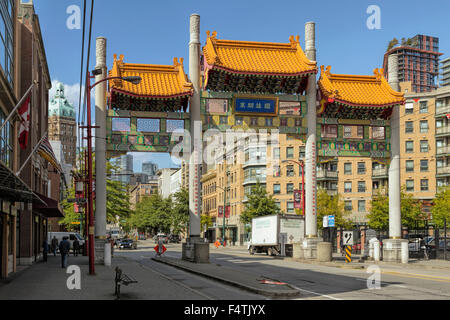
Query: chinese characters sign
x=256, y=105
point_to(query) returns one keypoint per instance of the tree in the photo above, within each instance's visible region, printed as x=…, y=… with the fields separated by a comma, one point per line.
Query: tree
x=392, y=43
x=70, y=216
x=328, y=205
x=259, y=204
x=441, y=208
x=117, y=197
x=379, y=211
x=180, y=211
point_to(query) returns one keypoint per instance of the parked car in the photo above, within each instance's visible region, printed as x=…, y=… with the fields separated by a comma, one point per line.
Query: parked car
x=164, y=238
x=174, y=238
x=127, y=244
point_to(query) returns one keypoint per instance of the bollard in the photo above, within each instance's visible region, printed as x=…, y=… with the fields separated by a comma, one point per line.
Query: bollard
x=107, y=259
x=405, y=252
x=376, y=250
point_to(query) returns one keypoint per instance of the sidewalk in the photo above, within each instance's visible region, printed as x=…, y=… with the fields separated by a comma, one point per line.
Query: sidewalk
x=48, y=281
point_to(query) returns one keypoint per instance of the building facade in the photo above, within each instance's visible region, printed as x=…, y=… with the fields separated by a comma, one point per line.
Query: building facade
x=165, y=181
x=445, y=72
x=142, y=190
x=418, y=62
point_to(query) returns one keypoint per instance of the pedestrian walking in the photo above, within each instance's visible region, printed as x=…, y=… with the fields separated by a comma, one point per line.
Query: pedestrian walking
x=64, y=248
x=76, y=247
x=45, y=248
x=54, y=245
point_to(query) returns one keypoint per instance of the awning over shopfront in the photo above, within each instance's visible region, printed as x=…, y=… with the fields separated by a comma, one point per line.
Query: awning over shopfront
x=13, y=188
x=51, y=208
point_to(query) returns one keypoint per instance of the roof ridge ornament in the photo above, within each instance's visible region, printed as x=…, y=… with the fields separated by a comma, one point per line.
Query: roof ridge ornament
x=294, y=41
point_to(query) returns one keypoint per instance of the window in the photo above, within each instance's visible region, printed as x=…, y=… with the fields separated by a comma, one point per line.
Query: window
x=290, y=152
x=301, y=152
x=361, y=167
x=423, y=107
x=410, y=185
x=423, y=165
x=329, y=131
x=290, y=206
x=269, y=122
x=378, y=132
x=439, y=124
x=423, y=126
x=409, y=165
x=423, y=145
x=253, y=121
x=347, y=131
x=409, y=127
x=348, y=205
x=290, y=188
x=360, y=131
x=6, y=148
x=290, y=171
x=361, y=205
x=348, y=168
x=276, y=189
x=409, y=146
x=283, y=122
x=348, y=187
x=276, y=171
x=276, y=153
x=361, y=186
x=424, y=185
x=409, y=108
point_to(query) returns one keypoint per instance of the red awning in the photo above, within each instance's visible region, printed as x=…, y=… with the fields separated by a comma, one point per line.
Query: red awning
x=51, y=209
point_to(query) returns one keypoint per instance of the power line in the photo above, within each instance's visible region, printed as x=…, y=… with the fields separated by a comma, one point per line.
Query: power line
x=81, y=81
x=88, y=58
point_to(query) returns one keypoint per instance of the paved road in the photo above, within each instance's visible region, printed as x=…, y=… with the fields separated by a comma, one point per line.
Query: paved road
x=312, y=280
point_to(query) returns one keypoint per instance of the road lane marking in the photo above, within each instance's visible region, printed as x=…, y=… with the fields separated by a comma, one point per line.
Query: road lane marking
x=317, y=294
x=417, y=276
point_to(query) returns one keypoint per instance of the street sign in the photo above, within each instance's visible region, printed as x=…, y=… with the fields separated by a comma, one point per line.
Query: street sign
x=348, y=254
x=160, y=251
x=348, y=238
x=331, y=221
x=75, y=222
x=325, y=221
x=77, y=200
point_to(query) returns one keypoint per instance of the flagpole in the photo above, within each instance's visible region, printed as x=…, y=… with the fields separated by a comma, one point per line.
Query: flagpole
x=31, y=154
x=17, y=106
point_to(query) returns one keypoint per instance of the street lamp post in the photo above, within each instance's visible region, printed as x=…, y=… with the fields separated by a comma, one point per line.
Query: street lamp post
x=89, y=180
x=302, y=166
x=223, y=211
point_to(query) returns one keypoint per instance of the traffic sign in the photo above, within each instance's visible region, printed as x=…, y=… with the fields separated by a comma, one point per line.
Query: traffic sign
x=348, y=238
x=77, y=200
x=160, y=251
x=331, y=221
x=325, y=222
x=348, y=254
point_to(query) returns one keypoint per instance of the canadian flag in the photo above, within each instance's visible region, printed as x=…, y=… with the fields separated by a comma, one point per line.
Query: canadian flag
x=448, y=116
x=24, y=112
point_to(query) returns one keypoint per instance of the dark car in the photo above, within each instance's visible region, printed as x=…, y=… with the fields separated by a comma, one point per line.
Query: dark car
x=127, y=244
x=173, y=238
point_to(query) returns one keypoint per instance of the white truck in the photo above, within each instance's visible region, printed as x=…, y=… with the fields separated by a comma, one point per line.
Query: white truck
x=269, y=233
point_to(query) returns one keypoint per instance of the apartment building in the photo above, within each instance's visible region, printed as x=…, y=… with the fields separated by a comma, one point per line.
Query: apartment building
x=141, y=190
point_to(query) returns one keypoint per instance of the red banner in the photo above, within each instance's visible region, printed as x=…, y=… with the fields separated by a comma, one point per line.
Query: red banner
x=227, y=212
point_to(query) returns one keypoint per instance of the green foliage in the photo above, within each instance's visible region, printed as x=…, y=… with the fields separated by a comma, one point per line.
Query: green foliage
x=441, y=208
x=392, y=43
x=328, y=205
x=69, y=213
x=162, y=215
x=259, y=204
x=379, y=211
x=205, y=219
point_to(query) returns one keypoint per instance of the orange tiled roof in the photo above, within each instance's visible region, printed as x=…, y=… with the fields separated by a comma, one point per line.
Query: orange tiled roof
x=158, y=81
x=285, y=59
x=355, y=90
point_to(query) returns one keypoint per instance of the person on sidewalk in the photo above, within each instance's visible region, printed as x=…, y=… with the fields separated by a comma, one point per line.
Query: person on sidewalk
x=64, y=248
x=54, y=245
x=76, y=247
x=45, y=248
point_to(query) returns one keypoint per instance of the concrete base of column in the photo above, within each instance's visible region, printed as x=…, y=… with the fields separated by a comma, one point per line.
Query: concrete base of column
x=99, y=251
x=196, y=250
x=392, y=250
x=324, y=251
x=297, y=250
x=309, y=248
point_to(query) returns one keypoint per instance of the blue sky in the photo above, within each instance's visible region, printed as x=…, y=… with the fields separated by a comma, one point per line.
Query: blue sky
x=157, y=31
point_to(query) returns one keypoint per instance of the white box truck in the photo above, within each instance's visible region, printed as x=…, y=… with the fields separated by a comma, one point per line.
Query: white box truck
x=270, y=232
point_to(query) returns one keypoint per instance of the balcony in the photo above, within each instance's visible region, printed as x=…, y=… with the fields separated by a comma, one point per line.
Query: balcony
x=443, y=131
x=443, y=171
x=380, y=173
x=443, y=150
x=254, y=180
x=325, y=174
x=442, y=110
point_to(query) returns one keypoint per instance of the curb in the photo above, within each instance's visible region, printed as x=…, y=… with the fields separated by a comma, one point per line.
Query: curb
x=292, y=293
